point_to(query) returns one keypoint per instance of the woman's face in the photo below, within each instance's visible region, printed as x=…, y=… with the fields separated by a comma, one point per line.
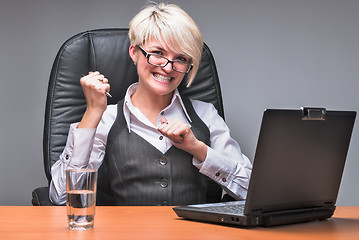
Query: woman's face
x=159, y=80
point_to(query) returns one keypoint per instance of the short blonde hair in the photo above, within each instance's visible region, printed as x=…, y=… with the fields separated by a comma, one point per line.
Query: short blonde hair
x=169, y=23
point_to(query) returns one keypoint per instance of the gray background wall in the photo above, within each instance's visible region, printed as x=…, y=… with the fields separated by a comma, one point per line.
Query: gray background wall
x=269, y=54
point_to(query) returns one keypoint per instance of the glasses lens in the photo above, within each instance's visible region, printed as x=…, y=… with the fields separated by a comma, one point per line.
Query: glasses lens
x=181, y=67
x=157, y=60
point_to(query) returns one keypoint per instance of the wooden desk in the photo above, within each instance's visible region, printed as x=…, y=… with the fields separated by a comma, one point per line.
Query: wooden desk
x=18, y=222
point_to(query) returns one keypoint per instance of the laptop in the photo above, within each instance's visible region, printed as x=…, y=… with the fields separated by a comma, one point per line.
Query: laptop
x=296, y=173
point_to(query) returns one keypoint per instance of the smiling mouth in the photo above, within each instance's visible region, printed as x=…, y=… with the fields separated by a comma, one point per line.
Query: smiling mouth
x=161, y=77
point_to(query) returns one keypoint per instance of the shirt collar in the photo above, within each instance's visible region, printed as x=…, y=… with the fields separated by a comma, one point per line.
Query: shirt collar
x=128, y=106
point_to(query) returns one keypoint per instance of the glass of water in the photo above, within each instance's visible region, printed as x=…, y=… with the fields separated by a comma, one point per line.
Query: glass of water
x=81, y=198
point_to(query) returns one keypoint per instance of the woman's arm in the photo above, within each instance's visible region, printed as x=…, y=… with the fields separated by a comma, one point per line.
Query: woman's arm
x=222, y=160
x=225, y=163
x=85, y=148
x=86, y=141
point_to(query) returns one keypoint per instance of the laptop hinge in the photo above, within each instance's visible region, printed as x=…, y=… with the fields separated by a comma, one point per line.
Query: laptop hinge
x=328, y=204
x=257, y=216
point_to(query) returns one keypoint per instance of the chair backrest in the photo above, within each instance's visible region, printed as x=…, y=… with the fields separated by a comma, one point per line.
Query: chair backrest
x=105, y=50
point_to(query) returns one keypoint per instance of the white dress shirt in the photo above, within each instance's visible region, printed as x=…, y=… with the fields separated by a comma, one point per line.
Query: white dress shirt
x=224, y=163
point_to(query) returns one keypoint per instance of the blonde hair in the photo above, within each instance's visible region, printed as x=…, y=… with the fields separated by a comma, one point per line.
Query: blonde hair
x=169, y=23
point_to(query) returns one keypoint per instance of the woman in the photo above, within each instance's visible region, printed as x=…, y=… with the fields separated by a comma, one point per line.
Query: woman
x=154, y=147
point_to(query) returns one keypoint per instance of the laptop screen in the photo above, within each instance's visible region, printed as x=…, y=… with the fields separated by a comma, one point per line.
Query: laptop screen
x=299, y=159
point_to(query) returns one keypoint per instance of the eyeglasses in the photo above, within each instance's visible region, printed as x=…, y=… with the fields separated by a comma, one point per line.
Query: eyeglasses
x=160, y=61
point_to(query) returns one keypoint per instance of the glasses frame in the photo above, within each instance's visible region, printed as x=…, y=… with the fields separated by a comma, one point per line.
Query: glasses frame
x=148, y=55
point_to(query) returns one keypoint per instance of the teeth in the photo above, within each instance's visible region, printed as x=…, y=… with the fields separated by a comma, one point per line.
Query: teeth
x=162, y=78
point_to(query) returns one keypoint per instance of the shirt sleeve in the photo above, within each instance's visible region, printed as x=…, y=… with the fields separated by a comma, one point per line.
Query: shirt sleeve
x=85, y=148
x=225, y=163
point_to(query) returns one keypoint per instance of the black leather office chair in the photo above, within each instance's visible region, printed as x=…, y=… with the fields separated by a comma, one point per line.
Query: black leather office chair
x=105, y=50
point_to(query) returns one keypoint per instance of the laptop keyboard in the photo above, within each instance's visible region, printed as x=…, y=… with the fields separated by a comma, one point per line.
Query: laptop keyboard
x=230, y=209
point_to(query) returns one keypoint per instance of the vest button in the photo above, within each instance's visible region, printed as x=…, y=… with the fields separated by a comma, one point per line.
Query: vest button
x=163, y=161
x=164, y=183
x=161, y=137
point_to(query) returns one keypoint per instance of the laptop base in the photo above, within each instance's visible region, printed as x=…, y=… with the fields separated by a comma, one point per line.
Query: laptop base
x=264, y=219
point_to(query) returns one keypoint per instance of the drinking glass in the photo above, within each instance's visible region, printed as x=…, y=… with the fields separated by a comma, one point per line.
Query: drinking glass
x=81, y=198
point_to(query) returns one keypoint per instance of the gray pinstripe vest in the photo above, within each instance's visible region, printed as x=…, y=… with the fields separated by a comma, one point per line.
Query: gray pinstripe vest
x=136, y=173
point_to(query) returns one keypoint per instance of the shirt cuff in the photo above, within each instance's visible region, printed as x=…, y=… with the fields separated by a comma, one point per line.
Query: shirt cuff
x=216, y=167
x=83, y=140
